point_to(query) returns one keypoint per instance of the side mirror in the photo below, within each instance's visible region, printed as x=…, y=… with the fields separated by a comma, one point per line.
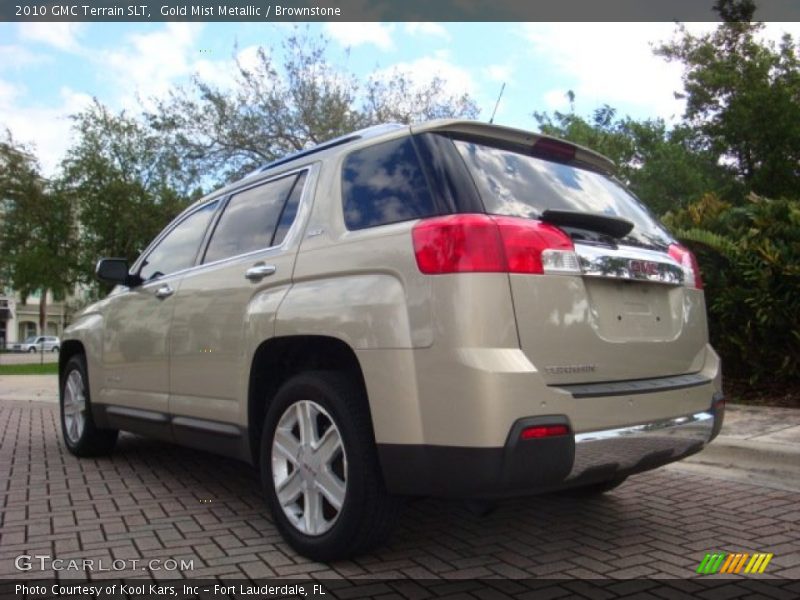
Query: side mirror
x=115, y=270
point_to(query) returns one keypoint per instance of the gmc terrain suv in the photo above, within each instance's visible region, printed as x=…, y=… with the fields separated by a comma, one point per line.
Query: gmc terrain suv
x=453, y=309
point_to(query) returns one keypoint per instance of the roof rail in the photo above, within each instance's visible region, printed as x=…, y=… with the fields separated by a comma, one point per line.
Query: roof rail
x=350, y=137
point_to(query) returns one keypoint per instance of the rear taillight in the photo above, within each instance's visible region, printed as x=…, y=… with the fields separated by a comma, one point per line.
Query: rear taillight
x=687, y=260
x=458, y=243
x=492, y=244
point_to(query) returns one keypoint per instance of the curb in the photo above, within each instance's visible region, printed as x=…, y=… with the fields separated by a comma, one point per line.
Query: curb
x=750, y=455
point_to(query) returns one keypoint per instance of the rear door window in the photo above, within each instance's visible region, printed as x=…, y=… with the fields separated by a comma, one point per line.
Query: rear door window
x=520, y=185
x=385, y=184
x=250, y=219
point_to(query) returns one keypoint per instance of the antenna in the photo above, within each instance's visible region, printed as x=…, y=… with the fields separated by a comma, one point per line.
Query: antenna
x=496, y=104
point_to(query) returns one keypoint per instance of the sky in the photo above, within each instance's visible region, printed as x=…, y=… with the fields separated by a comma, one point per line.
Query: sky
x=51, y=70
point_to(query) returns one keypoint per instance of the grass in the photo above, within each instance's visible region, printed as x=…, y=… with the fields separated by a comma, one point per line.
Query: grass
x=45, y=369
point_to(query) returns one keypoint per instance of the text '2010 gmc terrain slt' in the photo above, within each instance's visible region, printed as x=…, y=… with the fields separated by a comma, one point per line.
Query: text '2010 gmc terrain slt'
x=452, y=309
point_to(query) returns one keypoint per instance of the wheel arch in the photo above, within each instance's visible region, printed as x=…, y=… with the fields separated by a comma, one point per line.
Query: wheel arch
x=277, y=359
x=69, y=348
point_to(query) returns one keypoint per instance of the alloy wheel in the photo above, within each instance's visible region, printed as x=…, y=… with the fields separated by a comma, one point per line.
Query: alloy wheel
x=74, y=406
x=309, y=467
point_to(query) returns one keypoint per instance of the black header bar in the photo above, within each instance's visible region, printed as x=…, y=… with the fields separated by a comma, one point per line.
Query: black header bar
x=382, y=10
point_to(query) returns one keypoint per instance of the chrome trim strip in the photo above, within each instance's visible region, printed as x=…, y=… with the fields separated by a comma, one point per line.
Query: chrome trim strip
x=213, y=427
x=643, y=428
x=656, y=442
x=137, y=413
x=634, y=386
x=627, y=262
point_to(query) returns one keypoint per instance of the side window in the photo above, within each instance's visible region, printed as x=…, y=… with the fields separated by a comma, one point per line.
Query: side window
x=249, y=220
x=178, y=249
x=384, y=184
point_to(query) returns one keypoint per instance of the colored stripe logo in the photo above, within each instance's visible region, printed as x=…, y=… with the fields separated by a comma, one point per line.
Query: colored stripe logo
x=734, y=563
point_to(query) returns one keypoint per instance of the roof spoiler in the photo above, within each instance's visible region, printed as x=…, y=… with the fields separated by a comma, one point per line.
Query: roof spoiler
x=514, y=136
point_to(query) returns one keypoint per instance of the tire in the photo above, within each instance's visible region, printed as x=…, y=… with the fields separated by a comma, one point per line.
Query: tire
x=595, y=489
x=81, y=436
x=333, y=405
x=32, y=350
x=55, y=349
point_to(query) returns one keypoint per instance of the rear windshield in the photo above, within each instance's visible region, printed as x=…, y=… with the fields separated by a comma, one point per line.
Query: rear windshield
x=516, y=184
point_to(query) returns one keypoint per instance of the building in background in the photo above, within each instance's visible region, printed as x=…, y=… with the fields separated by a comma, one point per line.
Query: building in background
x=19, y=321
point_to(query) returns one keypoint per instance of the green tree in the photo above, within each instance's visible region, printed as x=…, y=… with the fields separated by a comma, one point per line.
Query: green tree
x=743, y=97
x=281, y=106
x=664, y=167
x=37, y=234
x=125, y=182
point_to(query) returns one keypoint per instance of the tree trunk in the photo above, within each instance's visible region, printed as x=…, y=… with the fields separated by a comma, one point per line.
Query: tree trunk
x=42, y=319
x=43, y=312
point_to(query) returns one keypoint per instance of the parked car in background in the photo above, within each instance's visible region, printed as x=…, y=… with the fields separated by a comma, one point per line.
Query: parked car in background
x=38, y=343
x=448, y=309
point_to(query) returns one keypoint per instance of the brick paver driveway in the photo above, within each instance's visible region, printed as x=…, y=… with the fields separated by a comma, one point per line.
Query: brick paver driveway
x=154, y=500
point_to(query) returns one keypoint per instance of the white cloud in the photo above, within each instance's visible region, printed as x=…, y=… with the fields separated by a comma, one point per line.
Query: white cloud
x=774, y=32
x=63, y=36
x=14, y=56
x=556, y=100
x=421, y=71
x=47, y=127
x=358, y=34
x=499, y=73
x=609, y=63
x=614, y=63
x=140, y=65
x=216, y=72
x=427, y=28
x=248, y=57
x=147, y=65
x=223, y=72
x=9, y=92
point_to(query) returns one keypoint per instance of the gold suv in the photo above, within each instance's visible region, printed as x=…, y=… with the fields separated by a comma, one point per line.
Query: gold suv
x=453, y=308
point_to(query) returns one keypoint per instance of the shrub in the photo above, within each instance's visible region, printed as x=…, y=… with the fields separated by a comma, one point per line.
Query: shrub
x=750, y=260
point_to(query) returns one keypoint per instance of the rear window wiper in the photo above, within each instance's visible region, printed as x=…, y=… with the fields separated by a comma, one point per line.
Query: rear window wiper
x=616, y=227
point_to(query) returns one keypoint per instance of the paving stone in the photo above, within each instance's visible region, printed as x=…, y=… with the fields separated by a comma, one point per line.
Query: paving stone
x=143, y=504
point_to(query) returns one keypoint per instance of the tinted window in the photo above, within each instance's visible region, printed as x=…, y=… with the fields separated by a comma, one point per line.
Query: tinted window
x=384, y=184
x=249, y=220
x=178, y=249
x=519, y=185
x=289, y=211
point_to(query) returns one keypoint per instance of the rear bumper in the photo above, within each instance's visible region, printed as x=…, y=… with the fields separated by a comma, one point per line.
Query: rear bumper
x=534, y=466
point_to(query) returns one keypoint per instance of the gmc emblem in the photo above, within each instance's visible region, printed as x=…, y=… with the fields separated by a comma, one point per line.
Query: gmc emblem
x=643, y=267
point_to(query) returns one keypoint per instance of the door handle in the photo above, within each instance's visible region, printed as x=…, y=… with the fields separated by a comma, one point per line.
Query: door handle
x=164, y=292
x=258, y=272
